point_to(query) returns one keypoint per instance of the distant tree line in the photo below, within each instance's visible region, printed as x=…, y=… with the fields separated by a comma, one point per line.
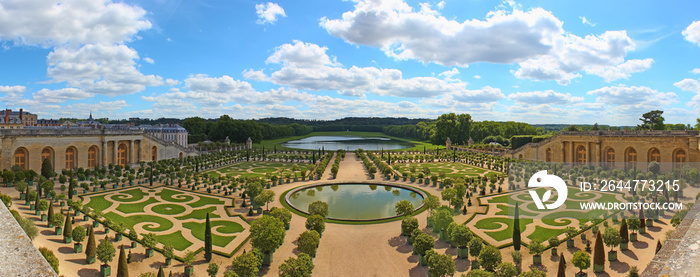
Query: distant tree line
x=238, y=131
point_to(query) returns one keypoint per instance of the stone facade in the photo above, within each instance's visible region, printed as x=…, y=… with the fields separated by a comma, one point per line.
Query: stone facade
x=616, y=149
x=86, y=148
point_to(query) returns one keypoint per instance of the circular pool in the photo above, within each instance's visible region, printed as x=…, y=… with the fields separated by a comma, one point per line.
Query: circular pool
x=355, y=201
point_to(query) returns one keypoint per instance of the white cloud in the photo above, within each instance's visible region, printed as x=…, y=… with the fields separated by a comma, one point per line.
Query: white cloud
x=692, y=33
x=307, y=66
x=691, y=85
x=695, y=71
x=53, y=22
x=441, y=5
x=454, y=71
x=11, y=92
x=171, y=82
x=585, y=21
x=100, y=69
x=149, y=60
x=641, y=97
x=477, y=77
x=257, y=75
x=620, y=71
x=61, y=95
x=544, y=97
x=268, y=12
x=534, y=39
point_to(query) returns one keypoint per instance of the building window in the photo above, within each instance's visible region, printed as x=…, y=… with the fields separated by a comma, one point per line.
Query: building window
x=548, y=155
x=92, y=157
x=70, y=158
x=581, y=154
x=654, y=155
x=21, y=158
x=154, y=153
x=610, y=157
x=121, y=155
x=46, y=154
x=630, y=158
x=679, y=159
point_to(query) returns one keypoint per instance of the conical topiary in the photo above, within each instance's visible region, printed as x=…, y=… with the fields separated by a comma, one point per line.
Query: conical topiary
x=160, y=272
x=599, y=251
x=207, y=240
x=123, y=266
x=516, y=229
x=91, y=247
x=67, y=229
x=561, y=272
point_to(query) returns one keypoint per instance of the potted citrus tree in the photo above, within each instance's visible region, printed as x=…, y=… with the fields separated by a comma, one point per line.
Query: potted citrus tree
x=78, y=235
x=536, y=248
x=582, y=261
x=189, y=258
x=106, y=253
x=149, y=240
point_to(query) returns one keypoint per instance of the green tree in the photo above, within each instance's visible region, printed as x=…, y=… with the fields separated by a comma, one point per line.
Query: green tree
x=106, y=251
x=506, y=270
x=652, y=121
x=122, y=266
x=624, y=232
x=253, y=189
x=213, y=269
x=442, y=217
x=422, y=243
x=478, y=273
x=408, y=225
x=404, y=208
x=611, y=238
x=302, y=266
x=599, y=251
x=475, y=246
x=67, y=228
x=78, y=234
x=318, y=208
x=149, y=240
x=561, y=270
x=634, y=272
x=440, y=265
x=581, y=260
x=489, y=258
x=50, y=257
x=46, y=168
x=91, y=247
x=282, y=214
x=267, y=233
x=432, y=202
x=246, y=265
x=308, y=242
x=207, y=240
x=265, y=198
x=516, y=229
x=533, y=273
x=316, y=223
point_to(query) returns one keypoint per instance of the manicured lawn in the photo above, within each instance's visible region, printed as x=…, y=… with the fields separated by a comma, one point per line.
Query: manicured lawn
x=168, y=209
x=542, y=234
x=168, y=195
x=155, y=223
x=177, y=240
x=200, y=214
x=226, y=227
x=136, y=207
x=98, y=203
x=496, y=222
x=135, y=195
x=258, y=169
x=203, y=200
x=452, y=170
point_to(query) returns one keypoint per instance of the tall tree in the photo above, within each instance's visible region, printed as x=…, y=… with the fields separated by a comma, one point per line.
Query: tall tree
x=301, y=266
x=123, y=266
x=67, y=229
x=652, y=121
x=91, y=247
x=46, y=168
x=516, y=229
x=207, y=240
x=561, y=271
x=599, y=251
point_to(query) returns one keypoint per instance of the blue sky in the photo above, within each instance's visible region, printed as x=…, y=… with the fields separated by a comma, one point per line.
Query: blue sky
x=577, y=62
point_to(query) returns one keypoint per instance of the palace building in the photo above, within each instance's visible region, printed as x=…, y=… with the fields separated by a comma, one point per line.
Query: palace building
x=616, y=149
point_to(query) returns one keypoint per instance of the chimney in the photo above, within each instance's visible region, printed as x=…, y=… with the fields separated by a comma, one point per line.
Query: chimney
x=20, y=114
x=7, y=115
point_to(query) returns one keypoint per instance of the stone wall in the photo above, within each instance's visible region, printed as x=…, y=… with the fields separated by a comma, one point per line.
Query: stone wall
x=19, y=256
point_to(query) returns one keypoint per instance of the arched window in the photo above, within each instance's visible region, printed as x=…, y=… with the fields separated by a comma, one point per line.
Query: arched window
x=71, y=154
x=92, y=157
x=679, y=159
x=610, y=157
x=121, y=155
x=21, y=158
x=630, y=158
x=548, y=155
x=154, y=153
x=581, y=154
x=654, y=155
x=47, y=153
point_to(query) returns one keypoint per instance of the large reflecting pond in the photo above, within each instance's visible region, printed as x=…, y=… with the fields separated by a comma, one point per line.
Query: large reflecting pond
x=349, y=143
x=355, y=201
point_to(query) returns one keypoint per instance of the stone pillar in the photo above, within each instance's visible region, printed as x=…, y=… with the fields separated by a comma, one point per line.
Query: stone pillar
x=563, y=152
x=131, y=152
x=116, y=152
x=573, y=153
x=104, y=152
